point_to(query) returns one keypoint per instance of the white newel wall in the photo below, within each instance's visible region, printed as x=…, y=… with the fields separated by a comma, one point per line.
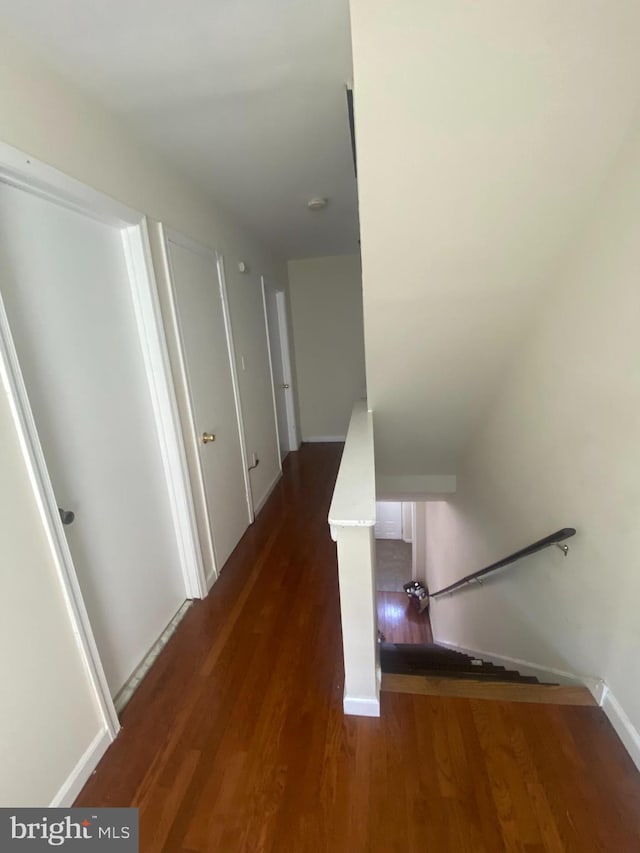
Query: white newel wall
x=352, y=517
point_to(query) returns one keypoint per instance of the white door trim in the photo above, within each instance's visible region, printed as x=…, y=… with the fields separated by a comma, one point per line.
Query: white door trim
x=281, y=304
x=263, y=287
x=165, y=405
x=236, y=384
x=20, y=170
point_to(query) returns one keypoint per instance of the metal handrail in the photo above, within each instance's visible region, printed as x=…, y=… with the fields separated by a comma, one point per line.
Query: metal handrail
x=553, y=539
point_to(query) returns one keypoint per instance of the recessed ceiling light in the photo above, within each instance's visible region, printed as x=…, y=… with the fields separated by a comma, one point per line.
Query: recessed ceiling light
x=316, y=203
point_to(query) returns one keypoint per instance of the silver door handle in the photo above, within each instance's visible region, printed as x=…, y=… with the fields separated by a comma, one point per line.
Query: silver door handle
x=284, y=385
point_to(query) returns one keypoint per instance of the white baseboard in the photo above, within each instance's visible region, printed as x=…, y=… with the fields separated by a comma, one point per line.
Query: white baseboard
x=361, y=706
x=133, y=682
x=267, y=494
x=78, y=777
x=625, y=729
x=598, y=690
x=318, y=439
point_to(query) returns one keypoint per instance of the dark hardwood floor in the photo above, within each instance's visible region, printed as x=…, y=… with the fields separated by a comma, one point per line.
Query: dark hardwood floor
x=400, y=621
x=236, y=741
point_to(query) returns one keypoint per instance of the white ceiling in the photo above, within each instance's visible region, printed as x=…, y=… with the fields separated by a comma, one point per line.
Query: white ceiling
x=247, y=97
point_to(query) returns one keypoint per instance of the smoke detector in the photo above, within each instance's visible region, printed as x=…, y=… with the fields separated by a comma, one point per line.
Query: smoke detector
x=316, y=203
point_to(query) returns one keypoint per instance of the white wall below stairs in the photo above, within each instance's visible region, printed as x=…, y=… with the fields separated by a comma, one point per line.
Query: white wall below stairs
x=559, y=446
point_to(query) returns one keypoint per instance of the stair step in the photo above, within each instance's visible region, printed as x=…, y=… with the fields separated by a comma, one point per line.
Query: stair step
x=550, y=694
x=432, y=660
x=464, y=674
x=435, y=663
x=396, y=664
x=426, y=648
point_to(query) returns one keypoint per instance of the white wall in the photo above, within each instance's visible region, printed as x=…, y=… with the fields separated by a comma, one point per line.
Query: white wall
x=559, y=447
x=328, y=338
x=484, y=132
x=45, y=732
x=50, y=118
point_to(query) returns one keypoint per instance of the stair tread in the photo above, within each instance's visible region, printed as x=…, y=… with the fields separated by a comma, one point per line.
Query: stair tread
x=559, y=694
x=467, y=675
x=417, y=666
x=425, y=647
x=431, y=660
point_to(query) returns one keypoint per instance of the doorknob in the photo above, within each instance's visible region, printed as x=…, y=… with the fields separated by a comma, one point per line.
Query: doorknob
x=66, y=516
x=284, y=385
x=207, y=437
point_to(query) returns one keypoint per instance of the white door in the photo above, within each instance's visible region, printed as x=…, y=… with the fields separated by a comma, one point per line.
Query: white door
x=64, y=282
x=388, y=520
x=275, y=308
x=216, y=424
x=408, y=511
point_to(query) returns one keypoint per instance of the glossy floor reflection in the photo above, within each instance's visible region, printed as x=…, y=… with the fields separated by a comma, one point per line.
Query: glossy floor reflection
x=400, y=621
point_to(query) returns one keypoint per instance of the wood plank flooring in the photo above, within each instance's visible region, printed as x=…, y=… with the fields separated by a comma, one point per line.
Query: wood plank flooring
x=400, y=621
x=236, y=742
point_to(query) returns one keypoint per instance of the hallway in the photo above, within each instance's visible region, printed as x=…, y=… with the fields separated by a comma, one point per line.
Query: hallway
x=236, y=740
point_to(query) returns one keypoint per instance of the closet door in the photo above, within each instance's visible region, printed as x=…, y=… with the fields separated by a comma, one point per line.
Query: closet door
x=214, y=413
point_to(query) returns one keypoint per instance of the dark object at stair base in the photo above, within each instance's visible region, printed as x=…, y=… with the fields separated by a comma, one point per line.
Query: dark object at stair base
x=416, y=590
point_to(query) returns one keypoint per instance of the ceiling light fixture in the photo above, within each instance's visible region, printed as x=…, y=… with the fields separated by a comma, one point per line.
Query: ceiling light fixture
x=316, y=203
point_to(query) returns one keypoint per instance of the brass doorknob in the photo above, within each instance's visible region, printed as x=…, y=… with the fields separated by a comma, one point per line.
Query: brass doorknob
x=207, y=437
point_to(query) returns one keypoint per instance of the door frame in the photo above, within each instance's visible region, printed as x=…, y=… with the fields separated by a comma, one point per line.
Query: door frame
x=29, y=174
x=263, y=287
x=285, y=353
x=188, y=430
x=226, y=310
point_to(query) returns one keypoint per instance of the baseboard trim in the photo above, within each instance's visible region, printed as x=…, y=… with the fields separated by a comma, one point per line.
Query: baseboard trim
x=133, y=682
x=267, y=494
x=625, y=729
x=599, y=690
x=78, y=777
x=319, y=439
x=361, y=706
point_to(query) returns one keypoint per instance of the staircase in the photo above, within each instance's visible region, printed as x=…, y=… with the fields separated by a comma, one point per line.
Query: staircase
x=434, y=670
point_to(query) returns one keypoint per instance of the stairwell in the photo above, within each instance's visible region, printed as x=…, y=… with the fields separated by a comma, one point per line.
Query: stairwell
x=434, y=670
